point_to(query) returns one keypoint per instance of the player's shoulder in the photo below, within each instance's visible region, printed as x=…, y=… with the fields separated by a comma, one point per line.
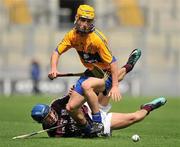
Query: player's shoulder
x=71, y=33
x=99, y=35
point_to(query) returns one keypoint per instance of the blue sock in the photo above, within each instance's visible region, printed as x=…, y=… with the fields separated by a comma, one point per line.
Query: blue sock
x=97, y=117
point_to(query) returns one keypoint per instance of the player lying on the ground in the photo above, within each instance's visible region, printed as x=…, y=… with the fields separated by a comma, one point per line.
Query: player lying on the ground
x=57, y=115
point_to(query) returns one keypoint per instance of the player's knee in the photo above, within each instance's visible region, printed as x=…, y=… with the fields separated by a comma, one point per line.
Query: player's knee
x=86, y=86
x=70, y=108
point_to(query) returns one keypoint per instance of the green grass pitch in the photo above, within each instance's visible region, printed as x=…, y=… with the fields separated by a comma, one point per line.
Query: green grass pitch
x=160, y=129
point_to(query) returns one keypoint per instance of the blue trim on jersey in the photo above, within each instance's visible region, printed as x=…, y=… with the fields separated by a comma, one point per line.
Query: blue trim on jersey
x=79, y=89
x=114, y=59
x=57, y=50
x=103, y=40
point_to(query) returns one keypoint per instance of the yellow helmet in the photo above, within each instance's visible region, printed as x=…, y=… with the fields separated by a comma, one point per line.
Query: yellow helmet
x=86, y=11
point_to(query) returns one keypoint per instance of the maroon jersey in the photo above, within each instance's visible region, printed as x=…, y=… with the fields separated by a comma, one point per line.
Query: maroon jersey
x=69, y=128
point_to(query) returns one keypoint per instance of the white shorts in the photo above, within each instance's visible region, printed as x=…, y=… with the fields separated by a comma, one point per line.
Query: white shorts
x=106, y=118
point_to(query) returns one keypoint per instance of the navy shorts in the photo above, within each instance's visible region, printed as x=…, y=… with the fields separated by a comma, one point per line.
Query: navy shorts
x=78, y=88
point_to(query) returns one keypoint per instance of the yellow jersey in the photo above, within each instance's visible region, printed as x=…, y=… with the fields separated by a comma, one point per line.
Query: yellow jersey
x=92, y=48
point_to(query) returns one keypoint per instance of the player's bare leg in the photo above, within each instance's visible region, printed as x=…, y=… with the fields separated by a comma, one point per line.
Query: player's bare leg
x=73, y=105
x=121, y=74
x=122, y=120
x=90, y=86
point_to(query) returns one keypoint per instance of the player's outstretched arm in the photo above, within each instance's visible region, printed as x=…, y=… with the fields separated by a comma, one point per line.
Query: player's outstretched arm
x=114, y=93
x=54, y=62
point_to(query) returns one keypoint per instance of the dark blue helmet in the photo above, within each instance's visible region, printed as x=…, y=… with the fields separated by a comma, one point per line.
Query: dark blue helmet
x=39, y=112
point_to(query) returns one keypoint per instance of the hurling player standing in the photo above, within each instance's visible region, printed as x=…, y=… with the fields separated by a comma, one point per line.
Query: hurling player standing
x=92, y=48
